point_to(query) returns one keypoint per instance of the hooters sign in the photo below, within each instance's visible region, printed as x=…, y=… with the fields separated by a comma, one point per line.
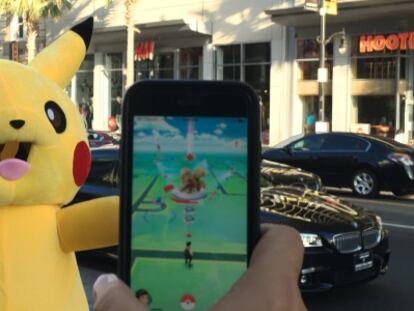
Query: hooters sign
x=381, y=43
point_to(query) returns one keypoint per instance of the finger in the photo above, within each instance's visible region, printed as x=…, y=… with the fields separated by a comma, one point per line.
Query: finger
x=111, y=294
x=279, y=244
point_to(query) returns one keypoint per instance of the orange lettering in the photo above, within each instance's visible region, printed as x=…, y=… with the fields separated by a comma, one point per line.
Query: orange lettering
x=403, y=40
x=411, y=41
x=392, y=43
x=365, y=44
x=378, y=43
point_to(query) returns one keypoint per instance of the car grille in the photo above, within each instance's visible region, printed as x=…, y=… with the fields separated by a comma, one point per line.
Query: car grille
x=347, y=242
x=371, y=238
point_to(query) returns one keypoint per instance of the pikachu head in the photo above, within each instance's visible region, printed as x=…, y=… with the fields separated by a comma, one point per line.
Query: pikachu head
x=44, y=152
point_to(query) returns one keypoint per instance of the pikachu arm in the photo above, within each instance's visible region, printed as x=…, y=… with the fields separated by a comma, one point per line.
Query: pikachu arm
x=89, y=225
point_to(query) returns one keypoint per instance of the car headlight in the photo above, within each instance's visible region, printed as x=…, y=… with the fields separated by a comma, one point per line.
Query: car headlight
x=402, y=158
x=311, y=240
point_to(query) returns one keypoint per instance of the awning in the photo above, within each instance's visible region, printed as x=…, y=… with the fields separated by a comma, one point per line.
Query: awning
x=350, y=11
x=173, y=33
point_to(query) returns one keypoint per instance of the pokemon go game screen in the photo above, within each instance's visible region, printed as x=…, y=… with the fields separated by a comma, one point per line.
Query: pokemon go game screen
x=189, y=209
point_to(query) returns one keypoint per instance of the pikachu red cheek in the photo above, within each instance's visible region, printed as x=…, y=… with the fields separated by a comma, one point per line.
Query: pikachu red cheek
x=81, y=163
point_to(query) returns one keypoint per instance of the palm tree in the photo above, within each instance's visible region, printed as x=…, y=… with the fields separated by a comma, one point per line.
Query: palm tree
x=32, y=11
x=129, y=23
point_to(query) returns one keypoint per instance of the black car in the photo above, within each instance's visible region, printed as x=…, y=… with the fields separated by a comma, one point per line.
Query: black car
x=366, y=164
x=343, y=243
x=283, y=174
x=100, y=138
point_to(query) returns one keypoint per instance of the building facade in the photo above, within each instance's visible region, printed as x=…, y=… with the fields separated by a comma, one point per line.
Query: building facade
x=370, y=87
x=269, y=44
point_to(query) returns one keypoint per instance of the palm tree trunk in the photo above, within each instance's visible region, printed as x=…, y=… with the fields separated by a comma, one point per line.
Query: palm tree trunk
x=129, y=4
x=32, y=32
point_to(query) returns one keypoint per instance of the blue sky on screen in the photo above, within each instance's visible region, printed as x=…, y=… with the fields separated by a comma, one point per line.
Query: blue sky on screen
x=215, y=135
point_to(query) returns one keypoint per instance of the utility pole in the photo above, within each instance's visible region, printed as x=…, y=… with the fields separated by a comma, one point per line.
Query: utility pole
x=322, y=72
x=323, y=7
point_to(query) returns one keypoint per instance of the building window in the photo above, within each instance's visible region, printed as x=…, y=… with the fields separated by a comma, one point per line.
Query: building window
x=20, y=31
x=307, y=56
x=161, y=67
x=191, y=62
x=380, y=113
x=228, y=62
x=84, y=89
x=378, y=67
x=249, y=63
x=114, y=70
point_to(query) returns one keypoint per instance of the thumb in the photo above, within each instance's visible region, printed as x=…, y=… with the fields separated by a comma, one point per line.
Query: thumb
x=111, y=294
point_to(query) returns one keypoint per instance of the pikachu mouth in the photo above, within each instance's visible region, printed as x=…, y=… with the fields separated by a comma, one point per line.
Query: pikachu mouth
x=15, y=150
x=13, y=160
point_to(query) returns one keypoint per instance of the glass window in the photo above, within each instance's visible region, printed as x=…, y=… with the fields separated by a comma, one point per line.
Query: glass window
x=249, y=63
x=257, y=52
x=103, y=173
x=191, y=61
x=84, y=90
x=379, y=68
x=310, y=48
x=340, y=142
x=88, y=63
x=307, y=54
x=228, y=62
x=379, y=111
x=231, y=73
x=309, y=69
x=114, y=69
x=308, y=143
x=231, y=54
x=162, y=67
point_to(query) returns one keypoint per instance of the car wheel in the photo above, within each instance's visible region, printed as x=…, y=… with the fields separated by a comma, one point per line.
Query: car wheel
x=364, y=183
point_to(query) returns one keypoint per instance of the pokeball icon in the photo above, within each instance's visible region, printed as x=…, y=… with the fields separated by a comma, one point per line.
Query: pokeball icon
x=187, y=302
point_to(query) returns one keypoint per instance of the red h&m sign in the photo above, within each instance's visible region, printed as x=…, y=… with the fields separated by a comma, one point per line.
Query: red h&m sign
x=144, y=51
x=392, y=42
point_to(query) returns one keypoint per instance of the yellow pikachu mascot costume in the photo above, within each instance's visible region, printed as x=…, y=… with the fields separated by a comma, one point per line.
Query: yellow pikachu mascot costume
x=44, y=159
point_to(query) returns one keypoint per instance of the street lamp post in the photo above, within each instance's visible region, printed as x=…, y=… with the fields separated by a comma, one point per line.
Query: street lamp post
x=322, y=70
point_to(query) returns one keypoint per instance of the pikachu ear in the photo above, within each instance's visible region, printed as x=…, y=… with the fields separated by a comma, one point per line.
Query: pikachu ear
x=60, y=60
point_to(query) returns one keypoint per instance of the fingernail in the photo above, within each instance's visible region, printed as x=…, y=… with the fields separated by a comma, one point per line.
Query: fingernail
x=105, y=279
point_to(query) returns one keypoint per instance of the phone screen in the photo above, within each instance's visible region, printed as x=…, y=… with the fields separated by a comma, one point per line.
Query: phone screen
x=189, y=209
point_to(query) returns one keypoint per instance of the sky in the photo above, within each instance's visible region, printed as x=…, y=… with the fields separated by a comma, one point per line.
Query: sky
x=211, y=135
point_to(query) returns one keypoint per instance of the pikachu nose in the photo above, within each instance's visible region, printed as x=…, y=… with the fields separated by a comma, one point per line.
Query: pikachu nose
x=17, y=124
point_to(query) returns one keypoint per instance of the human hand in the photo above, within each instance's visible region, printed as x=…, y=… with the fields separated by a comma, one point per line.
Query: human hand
x=111, y=294
x=270, y=283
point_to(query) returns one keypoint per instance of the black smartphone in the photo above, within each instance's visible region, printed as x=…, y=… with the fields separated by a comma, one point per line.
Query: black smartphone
x=189, y=190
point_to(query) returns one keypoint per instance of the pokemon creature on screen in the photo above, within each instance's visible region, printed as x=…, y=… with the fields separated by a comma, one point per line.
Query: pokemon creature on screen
x=189, y=209
x=44, y=159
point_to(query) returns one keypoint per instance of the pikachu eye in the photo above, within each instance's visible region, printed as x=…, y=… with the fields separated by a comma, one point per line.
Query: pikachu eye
x=56, y=116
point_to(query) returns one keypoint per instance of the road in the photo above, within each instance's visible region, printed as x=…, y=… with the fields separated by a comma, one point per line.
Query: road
x=393, y=291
